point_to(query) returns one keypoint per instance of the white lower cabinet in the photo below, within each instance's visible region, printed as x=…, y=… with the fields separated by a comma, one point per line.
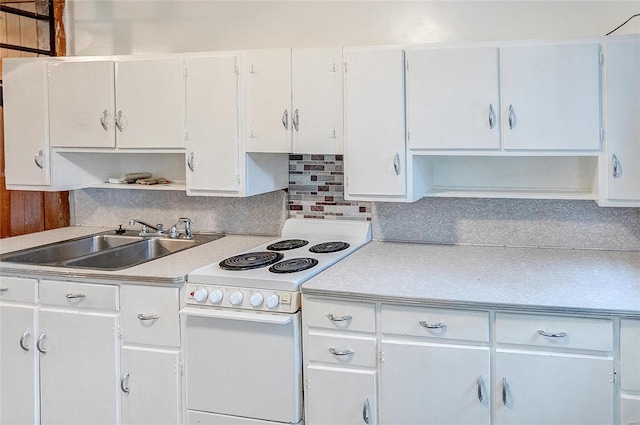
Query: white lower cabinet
x=629, y=372
x=79, y=344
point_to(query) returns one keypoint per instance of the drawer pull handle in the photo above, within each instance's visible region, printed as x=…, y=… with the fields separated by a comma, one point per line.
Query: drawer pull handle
x=340, y=353
x=504, y=391
x=480, y=389
x=438, y=325
x=74, y=296
x=333, y=318
x=552, y=335
x=366, y=409
x=41, y=338
x=23, y=338
x=123, y=383
x=2, y=290
x=150, y=317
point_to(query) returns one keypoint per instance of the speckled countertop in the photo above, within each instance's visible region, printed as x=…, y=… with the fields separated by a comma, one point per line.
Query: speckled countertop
x=556, y=280
x=171, y=269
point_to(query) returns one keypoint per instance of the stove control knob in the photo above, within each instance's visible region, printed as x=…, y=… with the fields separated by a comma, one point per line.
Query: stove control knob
x=273, y=301
x=236, y=298
x=216, y=296
x=256, y=299
x=200, y=295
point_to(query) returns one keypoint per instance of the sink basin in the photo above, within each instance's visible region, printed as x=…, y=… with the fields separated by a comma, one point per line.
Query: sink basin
x=105, y=251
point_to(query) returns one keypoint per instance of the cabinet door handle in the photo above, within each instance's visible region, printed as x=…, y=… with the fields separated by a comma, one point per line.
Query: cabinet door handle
x=150, y=317
x=4, y=290
x=615, y=165
x=438, y=325
x=118, y=120
x=480, y=389
x=552, y=335
x=340, y=353
x=40, y=341
x=103, y=120
x=74, y=296
x=492, y=117
x=396, y=164
x=123, y=383
x=512, y=118
x=38, y=159
x=285, y=119
x=190, y=161
x=23, y=339
x=366, y=412
x=333, y=318
x=504, y=391
x=296, y=120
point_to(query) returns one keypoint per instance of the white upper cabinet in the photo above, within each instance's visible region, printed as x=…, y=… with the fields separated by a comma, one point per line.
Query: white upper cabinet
x=621, y=156
x=212, y=124
x=374, y=123
x=317, y=101
x=268, y=100
x=453, y=98
x=26, y=124
x=126, y=104
x=82, y=104
x=551, y=97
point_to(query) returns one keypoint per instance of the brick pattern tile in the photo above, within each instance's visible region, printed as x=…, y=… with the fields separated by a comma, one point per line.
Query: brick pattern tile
x=316, y=189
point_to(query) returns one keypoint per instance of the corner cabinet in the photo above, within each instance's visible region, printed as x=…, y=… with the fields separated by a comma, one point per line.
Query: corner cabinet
x=444, y=365
x=375, y=153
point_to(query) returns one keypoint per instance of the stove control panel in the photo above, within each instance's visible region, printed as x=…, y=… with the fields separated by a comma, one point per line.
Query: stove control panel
x=243, y=298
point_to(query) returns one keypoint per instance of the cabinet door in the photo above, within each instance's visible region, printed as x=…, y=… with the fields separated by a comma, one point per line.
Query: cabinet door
x=452, y=98
x=622, y=89
x=78, y=373
x=26, y=123
x=212, y=124
x=553, y=388
x=551, y=97
x=317, y=101
x=19, y=391
x=268, y=103
x=340, y=396
x=150, y=103
x=630, y=355
x=150, y=386
x=81, y=104
x=423, y=383
x=374, y=123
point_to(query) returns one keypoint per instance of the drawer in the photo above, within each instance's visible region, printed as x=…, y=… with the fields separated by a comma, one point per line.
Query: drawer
x=554, y=331
x=435, y=322
x=335, y=314
x=79, y=295
x=18, y=289
x=340, y=350
x=149, y=315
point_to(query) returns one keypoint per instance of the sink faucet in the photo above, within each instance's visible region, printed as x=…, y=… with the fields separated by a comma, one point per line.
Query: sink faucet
x=159, y=228
x=188, y=234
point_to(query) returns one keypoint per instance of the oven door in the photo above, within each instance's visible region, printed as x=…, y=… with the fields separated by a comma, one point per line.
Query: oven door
x=243, y=363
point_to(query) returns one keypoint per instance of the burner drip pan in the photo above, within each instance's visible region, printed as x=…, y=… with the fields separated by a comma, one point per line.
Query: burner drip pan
x=287, y=244
x=293, y=265
x=251, y=260
x=328, y=247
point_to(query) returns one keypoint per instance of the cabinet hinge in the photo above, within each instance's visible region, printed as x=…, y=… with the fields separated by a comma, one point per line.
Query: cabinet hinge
x=346, y=66
x=252, y=69
x=601, y=58
x=408, y=136
x=236, y=67
x=601, y=134
x=186, y=136
x=406, y=65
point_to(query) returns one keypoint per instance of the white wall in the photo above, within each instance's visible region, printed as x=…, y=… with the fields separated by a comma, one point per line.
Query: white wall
x=106, y=27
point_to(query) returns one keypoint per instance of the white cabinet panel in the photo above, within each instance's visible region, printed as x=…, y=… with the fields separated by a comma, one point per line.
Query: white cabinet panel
x=82, y=104
x=26, y=123
x=340, y=396
x=630, y=410
x=374, y=123
x=453, y=98
x=150, y=315
x=150, y=103
x=317, y=100
x=151, y=379
x=268, y=100
x=212, y=124
x=551, y=96
x=630, y=355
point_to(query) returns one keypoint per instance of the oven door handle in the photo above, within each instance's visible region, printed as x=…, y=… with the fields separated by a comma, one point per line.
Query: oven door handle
x=237, y=315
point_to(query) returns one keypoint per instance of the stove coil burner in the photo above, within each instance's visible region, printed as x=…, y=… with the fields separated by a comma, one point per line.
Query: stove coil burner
x=250, y=260
x=287, y=244
x=327, y=247
x=293, y=265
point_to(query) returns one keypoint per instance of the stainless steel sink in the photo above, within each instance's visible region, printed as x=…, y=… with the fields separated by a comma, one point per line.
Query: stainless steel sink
x=105, y=251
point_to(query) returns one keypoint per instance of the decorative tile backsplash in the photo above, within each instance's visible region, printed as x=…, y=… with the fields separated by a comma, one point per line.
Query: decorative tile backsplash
x=316, y=189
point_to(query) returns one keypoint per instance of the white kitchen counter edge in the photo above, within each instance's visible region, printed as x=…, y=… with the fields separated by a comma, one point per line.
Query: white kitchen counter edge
x=556, y=280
